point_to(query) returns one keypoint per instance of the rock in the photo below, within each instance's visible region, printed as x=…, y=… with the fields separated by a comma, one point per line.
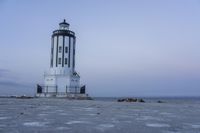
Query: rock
x=121, y=100
x=90, y=98
x=24, y=97
x=160, y=101
x=83, y=98
x=140, y=100
x=130, y=100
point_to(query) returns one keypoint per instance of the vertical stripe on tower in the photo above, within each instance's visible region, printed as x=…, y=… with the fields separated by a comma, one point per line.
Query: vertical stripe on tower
x=74, y=52
x=53, y=53
x=52, y=40
x=57, y=52
x=69, y=52
x=63, y=51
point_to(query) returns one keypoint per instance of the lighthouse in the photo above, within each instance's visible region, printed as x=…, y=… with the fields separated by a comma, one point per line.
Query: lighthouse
x=62, y=80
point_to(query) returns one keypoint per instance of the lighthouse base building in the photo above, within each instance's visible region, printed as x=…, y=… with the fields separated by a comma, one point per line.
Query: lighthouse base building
x=61, y=80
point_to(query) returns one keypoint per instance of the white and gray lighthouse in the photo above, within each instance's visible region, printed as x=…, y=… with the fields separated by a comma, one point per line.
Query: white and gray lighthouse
x=61, y=80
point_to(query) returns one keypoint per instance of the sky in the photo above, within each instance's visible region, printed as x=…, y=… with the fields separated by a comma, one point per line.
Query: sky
x=123, y=47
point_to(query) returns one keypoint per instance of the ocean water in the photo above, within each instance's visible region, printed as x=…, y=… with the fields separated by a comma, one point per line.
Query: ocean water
x=40, y=115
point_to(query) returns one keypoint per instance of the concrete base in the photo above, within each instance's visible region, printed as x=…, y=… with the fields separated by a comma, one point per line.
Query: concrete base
x=63, y=95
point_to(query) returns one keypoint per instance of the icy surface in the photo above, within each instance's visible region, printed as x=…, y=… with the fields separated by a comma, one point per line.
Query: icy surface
x=73, y=116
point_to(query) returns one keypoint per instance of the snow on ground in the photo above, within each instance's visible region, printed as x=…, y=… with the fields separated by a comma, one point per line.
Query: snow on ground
x=61, y=116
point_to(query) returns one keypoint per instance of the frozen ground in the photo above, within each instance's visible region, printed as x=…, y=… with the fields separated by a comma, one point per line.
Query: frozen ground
x=71, y=116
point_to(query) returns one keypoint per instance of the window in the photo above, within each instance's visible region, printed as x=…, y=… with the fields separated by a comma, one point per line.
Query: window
x=66, y=49
x=65, y=60
x=60, y=49
x=59, y=60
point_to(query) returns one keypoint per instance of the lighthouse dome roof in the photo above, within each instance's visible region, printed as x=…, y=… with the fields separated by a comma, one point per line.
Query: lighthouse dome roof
x=64, y=23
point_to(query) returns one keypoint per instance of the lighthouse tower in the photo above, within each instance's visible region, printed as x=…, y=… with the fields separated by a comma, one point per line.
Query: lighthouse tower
x=61, y=80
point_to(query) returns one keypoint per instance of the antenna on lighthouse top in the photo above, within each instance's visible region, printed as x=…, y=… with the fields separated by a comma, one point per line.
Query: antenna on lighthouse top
x=63, y=25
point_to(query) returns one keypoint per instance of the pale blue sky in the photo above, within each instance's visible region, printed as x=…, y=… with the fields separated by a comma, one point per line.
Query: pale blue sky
x=124, y=47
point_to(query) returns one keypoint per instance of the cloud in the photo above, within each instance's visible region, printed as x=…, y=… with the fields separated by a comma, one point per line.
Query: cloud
x=3, y=71
x=6, y=74
x=13, y=84
x=7, y=80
